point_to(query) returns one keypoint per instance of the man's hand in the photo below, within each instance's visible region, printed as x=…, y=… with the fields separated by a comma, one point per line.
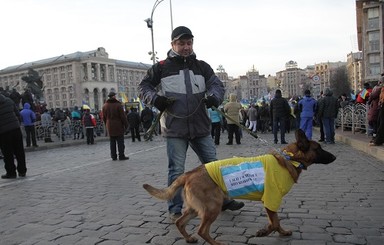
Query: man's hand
x=162, y=102
x=211, y=101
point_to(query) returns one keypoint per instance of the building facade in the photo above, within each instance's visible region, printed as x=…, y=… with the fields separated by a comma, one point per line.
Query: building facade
x=370, y=36
x=292, y=80
x=79, y=78
x=256, y=86
x=355, y=70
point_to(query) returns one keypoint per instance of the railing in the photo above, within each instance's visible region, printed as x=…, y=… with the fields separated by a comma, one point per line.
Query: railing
x=66, y=130
x=353, y=117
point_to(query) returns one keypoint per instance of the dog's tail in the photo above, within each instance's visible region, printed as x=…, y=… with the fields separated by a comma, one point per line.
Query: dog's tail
x=166, y=193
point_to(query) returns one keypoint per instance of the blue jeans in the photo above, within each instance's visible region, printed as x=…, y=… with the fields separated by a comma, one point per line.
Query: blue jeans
x=329, y=129
x=177, y=151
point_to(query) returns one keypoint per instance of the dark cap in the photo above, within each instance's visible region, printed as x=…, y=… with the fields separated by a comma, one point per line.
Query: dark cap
x=111, y=94
x=181, y=31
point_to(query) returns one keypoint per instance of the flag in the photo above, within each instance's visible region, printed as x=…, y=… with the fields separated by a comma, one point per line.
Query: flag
x=124, y=97
x=141, y=105
x=363, y=93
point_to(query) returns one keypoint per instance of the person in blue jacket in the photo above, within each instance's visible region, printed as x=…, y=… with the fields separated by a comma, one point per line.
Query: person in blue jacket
x=28, y=118
x=307, y=107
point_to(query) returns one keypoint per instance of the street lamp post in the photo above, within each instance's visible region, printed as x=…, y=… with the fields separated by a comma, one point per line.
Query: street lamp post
x=150, y=25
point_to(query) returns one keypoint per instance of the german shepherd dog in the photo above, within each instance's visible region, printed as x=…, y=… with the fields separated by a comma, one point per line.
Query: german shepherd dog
x=204, y=191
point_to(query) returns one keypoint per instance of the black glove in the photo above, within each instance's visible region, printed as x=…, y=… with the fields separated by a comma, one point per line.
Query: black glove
x=211, y=101
x=161, y=103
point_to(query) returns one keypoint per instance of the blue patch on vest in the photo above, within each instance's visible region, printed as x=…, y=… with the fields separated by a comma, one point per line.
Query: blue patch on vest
x=243, y=178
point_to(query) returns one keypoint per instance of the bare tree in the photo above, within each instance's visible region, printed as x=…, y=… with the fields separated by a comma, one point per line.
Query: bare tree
x=339, y=82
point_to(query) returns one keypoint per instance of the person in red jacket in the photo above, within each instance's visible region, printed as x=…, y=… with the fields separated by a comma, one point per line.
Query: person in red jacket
x=89, y=123
x=363, y=95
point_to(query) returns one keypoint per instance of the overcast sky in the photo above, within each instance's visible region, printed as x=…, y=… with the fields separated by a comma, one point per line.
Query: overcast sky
x=237, y=34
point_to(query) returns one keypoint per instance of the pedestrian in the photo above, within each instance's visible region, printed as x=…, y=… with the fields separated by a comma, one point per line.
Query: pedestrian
x=374, y=108
x=177, y=86
x=89, y=122
x=252, y=117
x=379, y=139
x=328, y=109
x=279, y=112
x=76, y=122
x=116, y=123
x=363, y=95
x=216, y=120
x=133, y=118
x=59, y=118
x=16, y=97
x=307, y=107
x=146, y=118
x=233, y=109
x=11, y=139
x=318, y=118
x=28, y=118
x=264, y=117
x=46, y=124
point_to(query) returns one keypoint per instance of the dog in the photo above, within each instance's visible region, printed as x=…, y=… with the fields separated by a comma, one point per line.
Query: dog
x=252, y=178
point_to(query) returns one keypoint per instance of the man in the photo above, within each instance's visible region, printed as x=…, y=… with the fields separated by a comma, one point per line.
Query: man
x=177, y=86
x=307, y=107
x=28, y=119
x=328, y=109
x=46, y=124
x=279, y=112
x=134, y=120
x=232, y=110
x=116, y=123
x=318, y=118
x=11, y=139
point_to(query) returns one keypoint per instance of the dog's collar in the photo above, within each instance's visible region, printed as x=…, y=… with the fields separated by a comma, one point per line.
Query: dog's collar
x=287, y=155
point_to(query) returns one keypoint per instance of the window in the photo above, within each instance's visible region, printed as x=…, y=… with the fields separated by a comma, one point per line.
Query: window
x=374, y=58
x=374, y=41
x=373, y=13
x=373, y=24
x=374, y=69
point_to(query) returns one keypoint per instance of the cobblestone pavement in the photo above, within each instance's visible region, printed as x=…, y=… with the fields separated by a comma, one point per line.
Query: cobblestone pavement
x=78, y=195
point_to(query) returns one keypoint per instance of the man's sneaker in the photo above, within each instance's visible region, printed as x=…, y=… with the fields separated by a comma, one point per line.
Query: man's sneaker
x=232, y=205
x=174, y=216
x=123, y=158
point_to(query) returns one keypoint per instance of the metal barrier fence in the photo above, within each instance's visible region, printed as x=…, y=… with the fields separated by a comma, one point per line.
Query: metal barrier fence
x=353, y=117
x=68, y=129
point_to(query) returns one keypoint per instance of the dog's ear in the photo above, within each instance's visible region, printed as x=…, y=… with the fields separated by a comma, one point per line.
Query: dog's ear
x=301, y=140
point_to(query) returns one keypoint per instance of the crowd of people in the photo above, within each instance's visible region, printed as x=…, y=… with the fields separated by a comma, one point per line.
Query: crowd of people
x=188, y=96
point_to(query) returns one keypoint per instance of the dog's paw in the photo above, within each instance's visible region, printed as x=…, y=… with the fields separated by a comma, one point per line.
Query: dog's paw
x=191, y=239
x=285, y=232
x=262, y=232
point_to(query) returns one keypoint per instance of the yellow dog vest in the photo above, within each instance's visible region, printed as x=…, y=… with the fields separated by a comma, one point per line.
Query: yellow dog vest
x=259, y=178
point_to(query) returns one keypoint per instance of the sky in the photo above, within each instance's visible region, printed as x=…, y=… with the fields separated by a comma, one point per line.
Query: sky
x=239, y=35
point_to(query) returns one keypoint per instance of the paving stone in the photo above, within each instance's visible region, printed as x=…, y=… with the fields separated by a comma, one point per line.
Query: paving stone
x=77, y=195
